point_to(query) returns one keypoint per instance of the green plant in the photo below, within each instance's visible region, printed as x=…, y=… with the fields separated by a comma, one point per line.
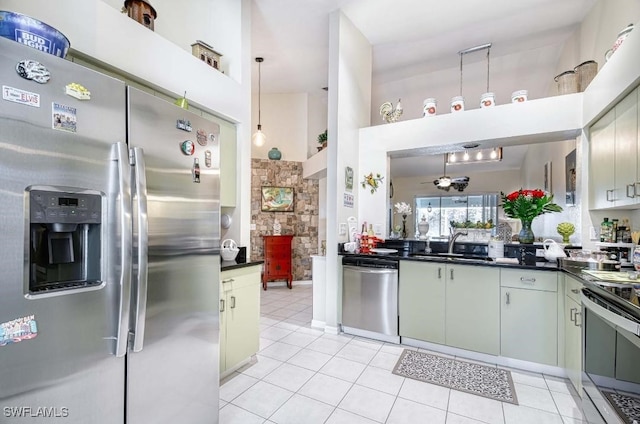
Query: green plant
x=322, y=137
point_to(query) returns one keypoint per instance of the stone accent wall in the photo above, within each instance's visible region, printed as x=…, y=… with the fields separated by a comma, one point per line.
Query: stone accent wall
x=302, y=222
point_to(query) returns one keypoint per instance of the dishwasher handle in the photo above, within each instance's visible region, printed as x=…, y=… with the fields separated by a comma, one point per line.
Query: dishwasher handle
x=367, y=270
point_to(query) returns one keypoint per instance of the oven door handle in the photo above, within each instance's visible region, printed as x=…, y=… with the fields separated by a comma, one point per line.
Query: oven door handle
x=610, y=317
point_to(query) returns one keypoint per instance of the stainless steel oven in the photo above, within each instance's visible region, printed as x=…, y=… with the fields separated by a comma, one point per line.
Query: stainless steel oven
x=611, y=352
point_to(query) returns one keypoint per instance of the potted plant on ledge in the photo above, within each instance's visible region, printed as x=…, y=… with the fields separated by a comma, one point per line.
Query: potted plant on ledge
x=322, y=140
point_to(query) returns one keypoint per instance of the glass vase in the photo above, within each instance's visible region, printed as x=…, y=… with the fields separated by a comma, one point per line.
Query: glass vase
x=526, y=234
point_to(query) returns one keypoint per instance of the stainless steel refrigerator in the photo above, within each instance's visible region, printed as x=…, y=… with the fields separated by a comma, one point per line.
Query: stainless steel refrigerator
x=109, y=260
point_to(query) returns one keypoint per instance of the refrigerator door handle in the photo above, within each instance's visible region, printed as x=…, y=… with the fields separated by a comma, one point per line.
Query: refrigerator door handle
x=121, y=153
x=140, y=305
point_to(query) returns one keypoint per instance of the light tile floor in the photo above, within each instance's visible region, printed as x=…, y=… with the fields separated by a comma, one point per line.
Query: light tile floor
x=304, y=376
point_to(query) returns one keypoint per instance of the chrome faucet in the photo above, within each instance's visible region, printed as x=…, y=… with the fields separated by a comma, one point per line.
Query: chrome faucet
x=452, y=242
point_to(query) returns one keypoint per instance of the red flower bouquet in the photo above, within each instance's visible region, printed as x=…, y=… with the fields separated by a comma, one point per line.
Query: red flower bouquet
x=526, y=205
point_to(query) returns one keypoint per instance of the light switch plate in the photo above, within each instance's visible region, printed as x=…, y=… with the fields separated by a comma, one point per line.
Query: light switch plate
x=252, y=227
x=377, y=229
x=342, y=229
x=592, y=233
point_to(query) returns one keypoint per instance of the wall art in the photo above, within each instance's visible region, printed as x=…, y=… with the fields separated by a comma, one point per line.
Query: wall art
x=277, y=199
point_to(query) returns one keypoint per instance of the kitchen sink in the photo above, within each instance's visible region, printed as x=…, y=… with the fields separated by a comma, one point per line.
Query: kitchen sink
x=461, y=257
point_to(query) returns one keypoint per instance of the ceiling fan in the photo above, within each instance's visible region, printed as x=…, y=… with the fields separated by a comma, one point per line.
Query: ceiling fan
x=446, y=183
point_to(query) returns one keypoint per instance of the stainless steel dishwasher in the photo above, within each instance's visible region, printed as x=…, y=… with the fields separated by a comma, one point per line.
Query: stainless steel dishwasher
x=370, y=297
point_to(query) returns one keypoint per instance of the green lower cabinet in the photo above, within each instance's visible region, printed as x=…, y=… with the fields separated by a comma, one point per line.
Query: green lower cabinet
x=529, y=325
x=239, y=316
x=421, y=301
x=473, y=308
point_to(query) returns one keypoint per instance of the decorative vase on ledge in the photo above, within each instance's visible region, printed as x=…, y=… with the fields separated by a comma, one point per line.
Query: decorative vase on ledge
x=274, y=154
x=423, y=228
x=526, y=234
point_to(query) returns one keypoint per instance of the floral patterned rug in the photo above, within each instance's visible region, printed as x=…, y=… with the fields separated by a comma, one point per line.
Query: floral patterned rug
x=481, y=380
x=627, y=406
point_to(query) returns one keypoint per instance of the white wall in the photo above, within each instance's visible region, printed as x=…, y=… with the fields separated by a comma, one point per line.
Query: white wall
x=204, y=20
x=348, y=111
x=532, y=176
x=507, y=76
x=317, y=108
x=597, y=33
x=284, y=120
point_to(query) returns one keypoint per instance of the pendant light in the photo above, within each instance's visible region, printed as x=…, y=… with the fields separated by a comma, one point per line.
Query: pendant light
x=258, y=138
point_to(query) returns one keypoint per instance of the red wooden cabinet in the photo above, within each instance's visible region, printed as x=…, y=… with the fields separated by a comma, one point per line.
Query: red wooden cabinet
x=277, y=259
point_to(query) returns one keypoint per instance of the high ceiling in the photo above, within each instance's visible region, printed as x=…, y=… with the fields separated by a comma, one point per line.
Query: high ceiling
x=409, y=37
x=413, y=38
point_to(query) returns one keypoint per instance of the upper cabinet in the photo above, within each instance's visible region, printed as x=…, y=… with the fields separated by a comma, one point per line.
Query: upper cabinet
x=601, y=175
x=614, y=149
x=626, y=150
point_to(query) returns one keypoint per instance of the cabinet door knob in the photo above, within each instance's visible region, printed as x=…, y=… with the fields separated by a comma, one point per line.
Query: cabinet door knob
x=451, y=273
x=527, y=280
x=508, y=296
x=631, y=188
x=228, y=280
x=439, y=273
x=572, y=314
x=233, y=302
x=578, y=324
x=576, y=291
x=221, y=305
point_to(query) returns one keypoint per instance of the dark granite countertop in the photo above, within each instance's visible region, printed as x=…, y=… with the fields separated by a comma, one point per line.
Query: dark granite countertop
x=539, y=266
x=228, y=265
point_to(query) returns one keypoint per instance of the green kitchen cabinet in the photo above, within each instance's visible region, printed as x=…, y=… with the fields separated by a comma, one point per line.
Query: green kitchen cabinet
x=626, y=150
x=614, y=153
x=601, y=162
x=421, y=301
x=472, y=317
x=529, y=316
x=239, y=316
x=573, y=332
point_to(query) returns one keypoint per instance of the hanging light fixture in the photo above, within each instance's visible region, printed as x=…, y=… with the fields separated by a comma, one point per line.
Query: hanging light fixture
x=445, y=182
x=475, y=155
x=258, y=138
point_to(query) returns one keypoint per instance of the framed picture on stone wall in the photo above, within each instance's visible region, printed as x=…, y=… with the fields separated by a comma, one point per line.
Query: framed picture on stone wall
x=277, y=199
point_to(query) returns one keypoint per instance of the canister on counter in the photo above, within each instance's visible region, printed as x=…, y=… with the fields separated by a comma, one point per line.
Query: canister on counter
x=429, y=107
x=457, y=104
x=519, y=96
x=487, y=100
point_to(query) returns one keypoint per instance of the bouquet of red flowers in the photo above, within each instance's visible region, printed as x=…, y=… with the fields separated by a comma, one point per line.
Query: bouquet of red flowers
x=527, y=204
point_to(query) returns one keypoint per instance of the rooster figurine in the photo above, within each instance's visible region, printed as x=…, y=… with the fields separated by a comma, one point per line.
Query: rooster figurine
x=389, y=113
